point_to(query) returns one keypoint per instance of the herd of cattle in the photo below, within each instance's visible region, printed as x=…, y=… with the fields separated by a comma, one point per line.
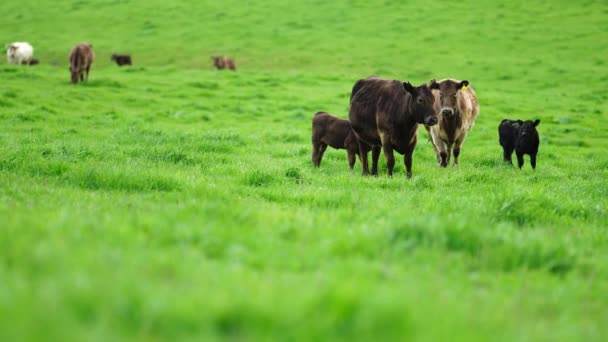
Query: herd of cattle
x=81, y=57
x=385, y=114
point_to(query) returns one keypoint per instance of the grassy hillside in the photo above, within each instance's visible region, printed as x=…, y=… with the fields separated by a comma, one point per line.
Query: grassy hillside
x=172, y=201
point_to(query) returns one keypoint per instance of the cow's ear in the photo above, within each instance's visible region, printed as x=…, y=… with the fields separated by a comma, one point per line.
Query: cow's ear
x=520, y=122
x=536, y=122
x=434, y=85
x=462, y=84
x=409, y=88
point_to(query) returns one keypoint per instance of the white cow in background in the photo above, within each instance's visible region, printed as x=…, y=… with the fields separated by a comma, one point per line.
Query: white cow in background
x=19, y=53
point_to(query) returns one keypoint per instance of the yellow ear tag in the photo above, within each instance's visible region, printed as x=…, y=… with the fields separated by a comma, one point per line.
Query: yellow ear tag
x=464, y=88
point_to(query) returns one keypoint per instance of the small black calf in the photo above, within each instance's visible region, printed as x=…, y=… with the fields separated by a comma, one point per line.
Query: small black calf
x=121, y=59
x=520, y=136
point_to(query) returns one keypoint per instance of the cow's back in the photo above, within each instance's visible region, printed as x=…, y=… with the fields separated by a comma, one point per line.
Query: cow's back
x=330, y=129
x=373, y=102
x=83, y=52
x=507, y=132
x=469, y=105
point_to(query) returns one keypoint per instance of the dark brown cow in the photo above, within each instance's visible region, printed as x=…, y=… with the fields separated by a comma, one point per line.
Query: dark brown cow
x=81, y=58
x=385, y=114
x=457, y=106
x=121, y=59
x=328, y=130
x=223, y=62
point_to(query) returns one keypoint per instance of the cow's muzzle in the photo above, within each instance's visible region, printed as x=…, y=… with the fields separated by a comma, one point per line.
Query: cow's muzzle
x=430, y=120
x=447, y=112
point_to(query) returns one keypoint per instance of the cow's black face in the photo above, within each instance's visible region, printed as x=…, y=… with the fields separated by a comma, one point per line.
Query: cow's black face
x=423, y=100
x=448, y=96
x=527, y=132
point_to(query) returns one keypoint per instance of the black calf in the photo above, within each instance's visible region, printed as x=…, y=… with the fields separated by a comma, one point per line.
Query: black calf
x=521, y=137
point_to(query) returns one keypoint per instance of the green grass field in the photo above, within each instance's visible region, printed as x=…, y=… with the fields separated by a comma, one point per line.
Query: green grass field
x=171, y=201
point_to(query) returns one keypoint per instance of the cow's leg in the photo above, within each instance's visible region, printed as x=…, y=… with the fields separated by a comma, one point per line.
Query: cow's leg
x=449, y=154
x=444, y=154
x=88, y=68
x=315, y=154
x=456, y=152
x=375, y=157
x=352, y=158
x=322, y=148
x=434, y=142
x=507, y=154
x=520, y=159
x=388, y=153
x=363, y=150
x=533, y=160
x=407, y=157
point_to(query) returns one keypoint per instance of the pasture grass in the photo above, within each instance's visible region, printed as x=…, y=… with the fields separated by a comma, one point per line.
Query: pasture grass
x=170, y=201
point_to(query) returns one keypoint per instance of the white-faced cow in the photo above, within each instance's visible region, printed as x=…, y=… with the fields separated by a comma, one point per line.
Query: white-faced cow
x=385, y=114
x=457, y=106
x=19, y=53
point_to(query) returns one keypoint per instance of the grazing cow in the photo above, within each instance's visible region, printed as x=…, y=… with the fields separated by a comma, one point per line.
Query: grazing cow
x=385, y=114
x=81, y=58
x=328, y=130
x=223, y=62
x=520, y=136
x=32, y=61
x=121, y=59
x=19, y=53
x=458, y=108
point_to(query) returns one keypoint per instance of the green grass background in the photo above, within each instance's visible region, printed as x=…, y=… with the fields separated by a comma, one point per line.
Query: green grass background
x=171, y=201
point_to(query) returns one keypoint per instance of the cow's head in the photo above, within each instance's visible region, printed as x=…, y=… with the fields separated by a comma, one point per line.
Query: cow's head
x=12, y=50
x=113, y=58
x=74, y=72
x=448, y=96
x=422, y=103
x=527, y=129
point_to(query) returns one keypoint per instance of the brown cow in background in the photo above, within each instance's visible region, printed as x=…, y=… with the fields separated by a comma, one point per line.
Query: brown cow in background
x=457, y=106
x=223, y=62
x=81, y=58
